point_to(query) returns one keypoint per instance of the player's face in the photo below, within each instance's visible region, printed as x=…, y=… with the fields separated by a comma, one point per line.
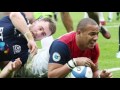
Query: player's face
x=40, y=30
x=90, y=36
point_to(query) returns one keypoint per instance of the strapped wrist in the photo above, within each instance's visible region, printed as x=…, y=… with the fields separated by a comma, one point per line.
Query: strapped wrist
x=71, y=64
x=28, y=35
x=75, y=63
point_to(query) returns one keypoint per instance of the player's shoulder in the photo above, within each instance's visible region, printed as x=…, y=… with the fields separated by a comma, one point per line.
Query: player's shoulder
x=68, y=37
x=58, y=43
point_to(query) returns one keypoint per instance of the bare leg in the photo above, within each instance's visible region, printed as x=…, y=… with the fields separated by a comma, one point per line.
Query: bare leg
x=94, y=16
x=104, y=32
x=55, y=16
x=67, y=21
x=110, y=16
x=86, y=15
x=101, y=18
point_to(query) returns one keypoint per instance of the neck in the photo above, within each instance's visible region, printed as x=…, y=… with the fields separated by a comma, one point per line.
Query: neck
x=79, y=43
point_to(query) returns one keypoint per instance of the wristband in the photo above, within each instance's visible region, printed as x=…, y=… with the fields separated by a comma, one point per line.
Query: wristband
x=75, y=63
x=28, y=35
x=71, y=64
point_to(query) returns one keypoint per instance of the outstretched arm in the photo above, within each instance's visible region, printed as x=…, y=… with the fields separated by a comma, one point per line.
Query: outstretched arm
x=10, y=68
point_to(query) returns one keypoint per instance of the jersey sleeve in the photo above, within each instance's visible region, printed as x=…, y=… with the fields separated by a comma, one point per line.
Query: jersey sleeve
x=59, y=53
x=23, y=57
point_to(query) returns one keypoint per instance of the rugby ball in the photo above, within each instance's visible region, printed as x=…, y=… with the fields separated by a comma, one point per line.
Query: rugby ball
x=81, y=72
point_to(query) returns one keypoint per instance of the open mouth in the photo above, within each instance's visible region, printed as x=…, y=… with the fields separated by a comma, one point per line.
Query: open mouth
x=92, y=43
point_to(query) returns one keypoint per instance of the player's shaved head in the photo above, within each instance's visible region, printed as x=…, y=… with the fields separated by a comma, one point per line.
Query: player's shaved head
x=84, y=22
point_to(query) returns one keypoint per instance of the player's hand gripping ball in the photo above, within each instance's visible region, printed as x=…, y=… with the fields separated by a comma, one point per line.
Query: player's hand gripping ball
x=81, y=72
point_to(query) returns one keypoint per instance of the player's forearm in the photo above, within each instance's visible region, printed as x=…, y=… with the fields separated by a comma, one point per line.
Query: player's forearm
x=5, y=73
x=20, y=23
x=96, y=74
x=60, y=72
x=30, y=16
x=94, y=15
x=96, y=71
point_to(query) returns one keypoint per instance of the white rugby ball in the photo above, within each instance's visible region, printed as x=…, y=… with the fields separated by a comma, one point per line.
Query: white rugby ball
x=81, y=72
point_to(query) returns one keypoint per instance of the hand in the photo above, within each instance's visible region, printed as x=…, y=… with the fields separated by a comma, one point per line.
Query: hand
x=32, y=46
x=105, y=74
x=14, y=66
x=10, y=68
x=84, y=61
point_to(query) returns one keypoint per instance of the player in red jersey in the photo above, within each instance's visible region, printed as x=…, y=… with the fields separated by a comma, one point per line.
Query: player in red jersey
x=76, y=49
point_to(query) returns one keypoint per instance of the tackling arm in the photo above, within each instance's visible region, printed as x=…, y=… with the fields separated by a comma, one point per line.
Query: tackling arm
x=21, y=25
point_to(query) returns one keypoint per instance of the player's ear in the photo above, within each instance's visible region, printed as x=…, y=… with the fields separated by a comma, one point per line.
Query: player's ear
x=78, y=31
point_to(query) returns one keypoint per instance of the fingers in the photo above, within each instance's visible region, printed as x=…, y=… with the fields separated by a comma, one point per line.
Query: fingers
x=17, y=64
x=110, y=75
x=89, y=63
x=83, y=61
x=33, y=50
x=106, y=74
x=32, y=46
x=104, y=71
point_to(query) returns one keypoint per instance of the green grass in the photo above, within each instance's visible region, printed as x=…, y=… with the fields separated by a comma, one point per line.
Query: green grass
x=108, y=47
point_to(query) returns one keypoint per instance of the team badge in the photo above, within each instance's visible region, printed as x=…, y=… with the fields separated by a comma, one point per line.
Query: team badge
x=16, y=49
x=56, y=57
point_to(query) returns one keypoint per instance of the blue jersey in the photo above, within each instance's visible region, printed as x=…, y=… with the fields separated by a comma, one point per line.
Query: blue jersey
x=12, y=42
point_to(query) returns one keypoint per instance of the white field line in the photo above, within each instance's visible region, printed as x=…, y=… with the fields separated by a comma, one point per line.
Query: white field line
x=113, y=69
x=115, y=23
x=115, y=26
